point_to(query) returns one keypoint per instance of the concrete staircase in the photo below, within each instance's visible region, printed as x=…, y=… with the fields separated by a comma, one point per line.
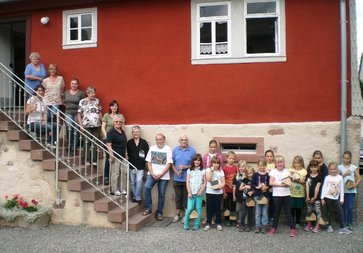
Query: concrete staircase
x=87, y=193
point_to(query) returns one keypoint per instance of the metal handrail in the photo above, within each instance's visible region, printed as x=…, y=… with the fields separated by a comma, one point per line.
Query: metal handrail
x=13, y=86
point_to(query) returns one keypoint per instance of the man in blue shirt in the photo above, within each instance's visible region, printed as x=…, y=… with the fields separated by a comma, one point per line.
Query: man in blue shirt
x=182, y=160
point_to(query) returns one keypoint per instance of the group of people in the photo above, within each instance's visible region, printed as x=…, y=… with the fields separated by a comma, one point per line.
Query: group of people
x=250, y=197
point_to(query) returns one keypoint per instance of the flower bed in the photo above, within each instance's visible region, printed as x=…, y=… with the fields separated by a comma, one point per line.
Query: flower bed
x=17, y=212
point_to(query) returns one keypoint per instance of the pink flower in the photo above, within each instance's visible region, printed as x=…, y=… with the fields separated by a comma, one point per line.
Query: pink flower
x=35, y=202
x=15, y=196
x=6, y=196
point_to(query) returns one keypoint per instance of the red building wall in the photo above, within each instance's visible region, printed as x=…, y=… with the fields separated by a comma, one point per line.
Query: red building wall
x=143, y=60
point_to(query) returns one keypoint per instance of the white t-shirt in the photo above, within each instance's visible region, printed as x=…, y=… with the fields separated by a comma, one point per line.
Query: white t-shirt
x=37, y=115
x=280, y=191
x=159, y=158
x=333, y=188
x=217, y=175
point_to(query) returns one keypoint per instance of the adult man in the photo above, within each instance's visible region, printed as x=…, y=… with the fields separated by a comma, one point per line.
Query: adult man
x=159, y=160
x=137, y=148
x=182, y=161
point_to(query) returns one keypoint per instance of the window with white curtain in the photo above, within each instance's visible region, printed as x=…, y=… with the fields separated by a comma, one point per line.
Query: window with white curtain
x=238, y=31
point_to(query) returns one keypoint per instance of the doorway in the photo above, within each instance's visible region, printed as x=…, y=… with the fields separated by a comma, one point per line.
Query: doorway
x=12, y=54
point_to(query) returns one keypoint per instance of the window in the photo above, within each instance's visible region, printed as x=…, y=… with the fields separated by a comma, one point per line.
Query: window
x=80, y=28
x=238, y=31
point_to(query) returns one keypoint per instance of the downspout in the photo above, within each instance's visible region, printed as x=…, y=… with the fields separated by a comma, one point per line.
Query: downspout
x=343, y=81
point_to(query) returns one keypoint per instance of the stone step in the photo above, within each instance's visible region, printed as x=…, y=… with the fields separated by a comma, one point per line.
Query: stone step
x=40, y=154
x=92, y=194
x=9, y=125
x=79, y=184
x=105, y=204
x=16, y=135
x=28, y=145
x=139, y=221
x=50, y=164
x=118, y=215
x=65, y=174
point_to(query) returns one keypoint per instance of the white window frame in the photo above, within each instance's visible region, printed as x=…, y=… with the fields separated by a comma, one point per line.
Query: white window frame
x=237, y=34
x=213, y=21
x=69, y=44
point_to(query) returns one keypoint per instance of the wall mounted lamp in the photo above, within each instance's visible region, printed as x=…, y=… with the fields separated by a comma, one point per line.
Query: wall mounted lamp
x=44, y=20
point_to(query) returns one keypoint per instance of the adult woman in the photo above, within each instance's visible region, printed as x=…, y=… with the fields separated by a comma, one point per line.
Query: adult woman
x=54, y=86
x=37, y=123
x=107, y=125
x=116, y=144
x=89, y=118
x=71, y=102
x=137, y=149
x=34, y=73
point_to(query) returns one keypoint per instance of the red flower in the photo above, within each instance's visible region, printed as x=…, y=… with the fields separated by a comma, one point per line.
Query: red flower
x=15, y=196
x=35, y=202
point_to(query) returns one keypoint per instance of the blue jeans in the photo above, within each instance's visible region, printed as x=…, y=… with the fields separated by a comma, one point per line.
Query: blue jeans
x=149, y=184
x=52, y=113
x=197, y=201
x=136, y=183
x=49, y=129
x=348, y=208
x=261, y=217
x=72, y=134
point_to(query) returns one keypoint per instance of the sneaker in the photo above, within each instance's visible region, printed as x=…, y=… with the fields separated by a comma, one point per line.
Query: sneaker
x=159, y=217
x=118, y=193
x=94, y=164
x=344, y=231
x=146, y=212
x=195, y=228
x=176, y=218
x=297, y=226
x=316, y=229
x=350, y=227
x=186, y=228
x=330, y=229
x=242, y=228
x=248, y=229
x=182, y=220
x=308, y=226
x=227, y=223
x=219, y=227
x=206, y=228
x=258, y=230
x=293, y=232
x=87, y=164
x=272, y=231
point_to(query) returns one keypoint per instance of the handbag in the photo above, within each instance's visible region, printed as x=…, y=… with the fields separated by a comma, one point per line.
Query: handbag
x=250, y=202
x=262, y=200
x=349, y=184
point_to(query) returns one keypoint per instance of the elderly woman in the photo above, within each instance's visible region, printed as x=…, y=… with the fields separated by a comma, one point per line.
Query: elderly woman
x=137, y=149
x=36, y=121
x=34, y=73
x=54, y=86
x=116, y=144
x=72, y=97
x=107, y=124
x=89, y=118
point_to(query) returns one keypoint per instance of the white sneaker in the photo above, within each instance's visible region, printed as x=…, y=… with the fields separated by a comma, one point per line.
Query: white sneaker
x=118, y=193
x=94, y=164
x=330, y=229
x=344, y=231
x=176, y=218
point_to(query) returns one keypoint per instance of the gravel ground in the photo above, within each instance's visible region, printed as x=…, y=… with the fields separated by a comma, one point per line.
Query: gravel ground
x=172, y=238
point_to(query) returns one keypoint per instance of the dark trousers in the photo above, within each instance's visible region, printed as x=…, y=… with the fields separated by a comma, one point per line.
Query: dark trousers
x=246, y=211
x=214, y=202
x=334, y=203
x=278, y=203
x=181, y=195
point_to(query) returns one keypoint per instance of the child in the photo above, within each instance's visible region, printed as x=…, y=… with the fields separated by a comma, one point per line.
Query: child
x=213, y=151
x=297, y=188
x=260, y=185
x=244, y=191
x=352, y=179
x=230, y=171
x=214, y=193
x=332, y=195
x=196, y=182
x=313, y=184
x=270, y=159
x=279, y=181
x=236, y=192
